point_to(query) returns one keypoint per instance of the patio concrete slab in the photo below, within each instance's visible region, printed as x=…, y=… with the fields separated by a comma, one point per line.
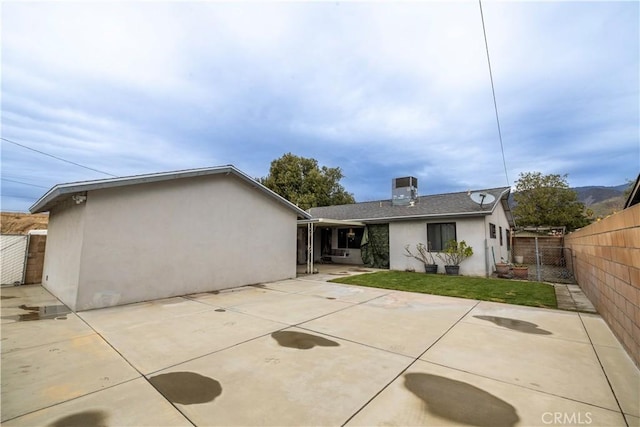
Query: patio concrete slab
x=112, y=407
x=151, y=345
x=15, y=301
x=551, y=323
x=292, y=378
x=292, y=286
x=623, y=376
x=273, y=305
x=18, y=335
x=394, y=323
x=226, y=360
x=428, y=394
x=347, y=293
x=598, y=330
x=144, y=312
x=526, y=358
x=37, y=377
x=12, y=296
x=632, y=421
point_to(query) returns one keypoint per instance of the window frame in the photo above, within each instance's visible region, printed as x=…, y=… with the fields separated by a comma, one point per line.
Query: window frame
x=350, y=243
x=492, y=230
x=440, y=246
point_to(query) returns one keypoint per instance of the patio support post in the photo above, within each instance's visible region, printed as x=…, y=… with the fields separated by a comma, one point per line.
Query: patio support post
x=310, y=228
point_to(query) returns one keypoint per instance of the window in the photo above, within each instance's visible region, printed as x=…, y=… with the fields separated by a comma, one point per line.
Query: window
x=350, y=238
x=439, y=235
x=500, y=236
x=508, y=233
x=492, y=231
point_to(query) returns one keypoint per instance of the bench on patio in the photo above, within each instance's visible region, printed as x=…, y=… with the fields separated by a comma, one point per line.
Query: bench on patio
x=335, y=254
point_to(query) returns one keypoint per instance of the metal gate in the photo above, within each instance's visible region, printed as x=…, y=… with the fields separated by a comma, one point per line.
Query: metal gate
x=552, y=264
x=13, y=258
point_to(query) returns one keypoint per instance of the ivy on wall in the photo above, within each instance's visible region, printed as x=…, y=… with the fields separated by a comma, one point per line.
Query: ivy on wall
x=375, y=246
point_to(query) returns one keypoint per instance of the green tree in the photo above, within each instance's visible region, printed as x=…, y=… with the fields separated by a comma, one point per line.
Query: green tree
x=301, y=181
x=547, y=200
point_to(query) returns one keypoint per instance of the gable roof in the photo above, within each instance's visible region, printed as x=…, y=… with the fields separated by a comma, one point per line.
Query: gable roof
x=64, y=191
x=634, y=196
x=432, y=206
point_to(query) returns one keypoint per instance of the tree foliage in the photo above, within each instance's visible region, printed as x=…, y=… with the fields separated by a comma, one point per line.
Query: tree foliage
x=547, y=200
x=301, y=181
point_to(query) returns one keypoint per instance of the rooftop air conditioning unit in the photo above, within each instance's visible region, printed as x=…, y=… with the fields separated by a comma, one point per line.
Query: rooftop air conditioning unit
x=404, y=191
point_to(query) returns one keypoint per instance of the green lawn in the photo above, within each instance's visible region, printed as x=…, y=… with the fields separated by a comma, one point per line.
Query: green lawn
x=499, y=290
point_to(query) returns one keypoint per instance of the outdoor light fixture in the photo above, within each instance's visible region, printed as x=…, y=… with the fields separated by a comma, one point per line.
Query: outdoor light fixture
x=79, y=198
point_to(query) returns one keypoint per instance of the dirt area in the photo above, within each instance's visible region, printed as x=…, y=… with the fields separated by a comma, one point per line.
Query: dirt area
x=21, y=223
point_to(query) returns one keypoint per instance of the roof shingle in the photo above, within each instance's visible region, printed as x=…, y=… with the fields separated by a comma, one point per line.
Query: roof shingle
x=437, y=205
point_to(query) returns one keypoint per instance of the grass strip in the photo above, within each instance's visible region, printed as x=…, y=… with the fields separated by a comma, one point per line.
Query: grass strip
x=534, y=294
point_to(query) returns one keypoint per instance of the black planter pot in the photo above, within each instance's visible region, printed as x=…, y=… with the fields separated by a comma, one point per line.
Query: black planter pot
x=431, y=268
x=452, y=270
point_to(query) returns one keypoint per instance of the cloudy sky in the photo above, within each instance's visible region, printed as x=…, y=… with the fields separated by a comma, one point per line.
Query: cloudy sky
x=380, y=90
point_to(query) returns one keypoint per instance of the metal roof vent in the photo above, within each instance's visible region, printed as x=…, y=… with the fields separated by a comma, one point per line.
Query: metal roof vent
x=404, y=191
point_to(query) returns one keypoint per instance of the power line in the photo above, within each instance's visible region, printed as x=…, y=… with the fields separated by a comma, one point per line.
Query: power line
x=15, y=196
x=493, y=91
x=24, y=183
x=57, y=158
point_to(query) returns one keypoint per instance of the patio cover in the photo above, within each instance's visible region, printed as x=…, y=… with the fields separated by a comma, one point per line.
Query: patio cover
x=311, y=225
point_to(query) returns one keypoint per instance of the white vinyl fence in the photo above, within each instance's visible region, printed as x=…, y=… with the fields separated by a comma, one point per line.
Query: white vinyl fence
x=13, y=256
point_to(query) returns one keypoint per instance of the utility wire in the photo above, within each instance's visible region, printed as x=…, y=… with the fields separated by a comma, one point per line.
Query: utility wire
x=24, y=183
x=493, y=91
x=57, y=158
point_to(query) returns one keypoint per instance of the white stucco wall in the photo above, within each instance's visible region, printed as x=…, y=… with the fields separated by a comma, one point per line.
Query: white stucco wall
x=498, y=218
x=150, y=241
x=471, y=230
x=61, y=269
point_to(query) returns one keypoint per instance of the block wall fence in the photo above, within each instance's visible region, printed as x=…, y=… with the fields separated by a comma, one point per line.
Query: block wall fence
x=606, y=258
x=35, y=259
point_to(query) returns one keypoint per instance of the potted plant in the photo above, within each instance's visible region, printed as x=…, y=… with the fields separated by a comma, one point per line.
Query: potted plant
x=424, y=256
x=502, y=269
x=521, y=271
x=453, y=255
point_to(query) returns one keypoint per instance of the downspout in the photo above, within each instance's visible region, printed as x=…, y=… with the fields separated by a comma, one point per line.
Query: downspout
x=487, y=268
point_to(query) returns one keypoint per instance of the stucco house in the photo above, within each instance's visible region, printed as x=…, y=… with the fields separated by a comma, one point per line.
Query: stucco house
x=145, y=237
x=482, y=218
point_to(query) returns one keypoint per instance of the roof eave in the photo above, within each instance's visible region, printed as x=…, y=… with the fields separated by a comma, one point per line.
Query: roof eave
x=634, y=195
x=423, y=216
x=53, y=196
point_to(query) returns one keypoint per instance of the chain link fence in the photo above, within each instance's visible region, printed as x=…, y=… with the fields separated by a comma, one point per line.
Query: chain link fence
x=546, y=262
x=553, y=265
x=13, y=257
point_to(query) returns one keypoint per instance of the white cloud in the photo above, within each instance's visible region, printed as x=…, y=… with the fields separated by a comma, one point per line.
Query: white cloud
x=143, y=86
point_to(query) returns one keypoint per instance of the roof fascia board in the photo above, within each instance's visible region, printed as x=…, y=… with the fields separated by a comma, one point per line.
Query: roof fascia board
x=427, y=216
x=329, y=221
x=504, y=200
x=46, y=202
x=634, y=195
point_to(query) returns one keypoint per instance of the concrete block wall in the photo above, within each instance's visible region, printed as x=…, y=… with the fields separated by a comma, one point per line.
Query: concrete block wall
x=35, y=259
x=606, y=258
